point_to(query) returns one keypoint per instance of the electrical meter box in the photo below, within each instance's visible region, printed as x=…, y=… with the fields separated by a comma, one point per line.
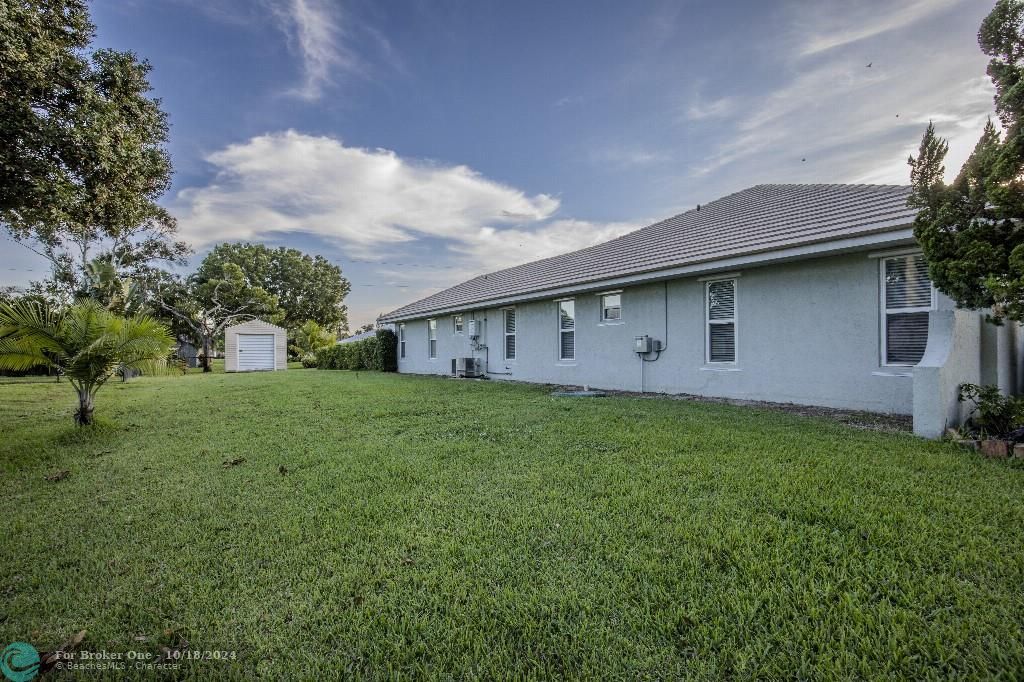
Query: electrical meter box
x=642, y=344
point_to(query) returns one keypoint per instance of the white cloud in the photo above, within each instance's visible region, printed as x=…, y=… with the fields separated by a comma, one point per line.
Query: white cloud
x=291, y=182
x=834, y=27
x=315, y=31
x=492, y=249
x=834, y=119
x=625, y=156
x=701, y=109
x=959, y=122
x=377, y=206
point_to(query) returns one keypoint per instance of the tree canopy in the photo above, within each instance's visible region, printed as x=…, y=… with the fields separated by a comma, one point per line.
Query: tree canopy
x=82, y=157
x=306, y=287
x=972, y=230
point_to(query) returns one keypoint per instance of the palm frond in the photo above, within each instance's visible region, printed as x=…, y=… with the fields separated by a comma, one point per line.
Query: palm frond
x=16, y=355
x=32, y=321
x=140, y=342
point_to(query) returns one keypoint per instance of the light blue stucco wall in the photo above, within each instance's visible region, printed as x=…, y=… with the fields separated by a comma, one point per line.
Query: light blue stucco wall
x=808, y=332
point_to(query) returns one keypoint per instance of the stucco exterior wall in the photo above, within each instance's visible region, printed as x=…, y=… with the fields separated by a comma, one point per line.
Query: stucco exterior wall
x=952, y=358
x=808, y=332
x=255, y=327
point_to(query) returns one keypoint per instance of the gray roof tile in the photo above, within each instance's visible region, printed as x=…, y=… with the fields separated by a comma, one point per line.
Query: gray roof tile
x=757, y=219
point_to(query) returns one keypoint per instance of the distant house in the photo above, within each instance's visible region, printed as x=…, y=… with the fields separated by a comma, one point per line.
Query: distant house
x=187, y=352
x=359, y=337
x=811, y=294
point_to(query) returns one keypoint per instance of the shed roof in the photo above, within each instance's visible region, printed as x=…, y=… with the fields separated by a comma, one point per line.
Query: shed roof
x=757, y=219
x=255, y=324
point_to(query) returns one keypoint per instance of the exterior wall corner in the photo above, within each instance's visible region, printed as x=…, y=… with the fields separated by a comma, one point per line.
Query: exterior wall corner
x=952, y=357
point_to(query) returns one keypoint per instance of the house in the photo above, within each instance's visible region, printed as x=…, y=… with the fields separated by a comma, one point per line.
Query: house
x=187, y=352
x=809, y=294
x=255, y=346
x=361, y=336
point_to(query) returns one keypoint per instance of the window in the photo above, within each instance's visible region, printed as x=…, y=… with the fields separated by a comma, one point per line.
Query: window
x=611, y=307
x=432, y=338
x=567, y=330
x=510, y=333
x=401, y=340
x=721, y=320
x=906, y=299
x=457, y=323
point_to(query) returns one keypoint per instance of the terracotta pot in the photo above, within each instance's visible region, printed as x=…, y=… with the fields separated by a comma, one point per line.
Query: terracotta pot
x=997, y=449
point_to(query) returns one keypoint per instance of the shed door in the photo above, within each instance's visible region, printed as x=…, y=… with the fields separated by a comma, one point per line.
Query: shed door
x=255, y=351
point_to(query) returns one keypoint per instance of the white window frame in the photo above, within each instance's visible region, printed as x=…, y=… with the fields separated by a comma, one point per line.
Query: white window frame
x=558, y=324
x=432, y=338
x=505, y=333
x=734, y=320
x=600, y=300
x=401, y=340
x=884, y=311
x=458, y=324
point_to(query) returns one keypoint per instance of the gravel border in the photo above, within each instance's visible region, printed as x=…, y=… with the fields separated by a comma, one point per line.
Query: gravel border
x=858, y=419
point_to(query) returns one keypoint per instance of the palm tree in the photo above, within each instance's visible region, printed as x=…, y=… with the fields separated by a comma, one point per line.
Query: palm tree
x=311, y=337
x=85, y=342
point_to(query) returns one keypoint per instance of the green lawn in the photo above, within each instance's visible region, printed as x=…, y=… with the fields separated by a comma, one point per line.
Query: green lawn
x=436, y=528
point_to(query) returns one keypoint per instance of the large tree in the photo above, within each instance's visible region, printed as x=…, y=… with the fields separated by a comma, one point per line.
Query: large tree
x=82, y=157
x=972, y=230
x=306, y=287
x=201, y=306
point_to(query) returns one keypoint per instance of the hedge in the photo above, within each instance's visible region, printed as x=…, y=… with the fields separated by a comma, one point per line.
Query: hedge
x=378, y=353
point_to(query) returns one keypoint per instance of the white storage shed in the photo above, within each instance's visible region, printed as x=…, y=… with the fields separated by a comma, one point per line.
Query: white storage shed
x=255, y=346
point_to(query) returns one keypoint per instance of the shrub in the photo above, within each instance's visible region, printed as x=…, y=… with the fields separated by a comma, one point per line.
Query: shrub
x=309, y=360
x=358, y=355
x=387, y=351
x=994, y=414
x=329, y=358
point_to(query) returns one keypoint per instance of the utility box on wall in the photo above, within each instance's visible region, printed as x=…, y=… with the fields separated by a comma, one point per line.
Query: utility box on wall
x=642, y=344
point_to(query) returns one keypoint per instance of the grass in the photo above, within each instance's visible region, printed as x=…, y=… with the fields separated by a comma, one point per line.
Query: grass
x=435, y=528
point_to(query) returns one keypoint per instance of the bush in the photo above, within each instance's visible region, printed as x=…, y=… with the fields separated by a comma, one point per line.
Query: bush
x=329, y=358
x=994, y=415
x=358, y=355
x=309, y=360
x=387, y=351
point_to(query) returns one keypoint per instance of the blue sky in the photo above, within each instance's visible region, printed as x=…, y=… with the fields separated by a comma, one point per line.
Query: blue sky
x=419, y=143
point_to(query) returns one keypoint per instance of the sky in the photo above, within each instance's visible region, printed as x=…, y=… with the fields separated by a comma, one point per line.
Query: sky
x=416, y=144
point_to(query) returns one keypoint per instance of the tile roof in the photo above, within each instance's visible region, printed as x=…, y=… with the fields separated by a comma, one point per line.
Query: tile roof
x=758, y=219
x=358, y=337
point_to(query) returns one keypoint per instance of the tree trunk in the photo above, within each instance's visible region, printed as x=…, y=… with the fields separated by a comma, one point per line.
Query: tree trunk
x=206, y=355
x=83, y=416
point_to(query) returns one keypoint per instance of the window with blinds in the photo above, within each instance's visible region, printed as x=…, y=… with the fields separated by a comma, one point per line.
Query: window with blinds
x=401, y=340
x=720, y=315
x=567, y=330
x=510, y=333
x=907, y=298
x=432, y=338
x=611, y=307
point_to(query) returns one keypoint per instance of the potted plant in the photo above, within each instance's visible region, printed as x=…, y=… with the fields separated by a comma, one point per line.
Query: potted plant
x=995, y=420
